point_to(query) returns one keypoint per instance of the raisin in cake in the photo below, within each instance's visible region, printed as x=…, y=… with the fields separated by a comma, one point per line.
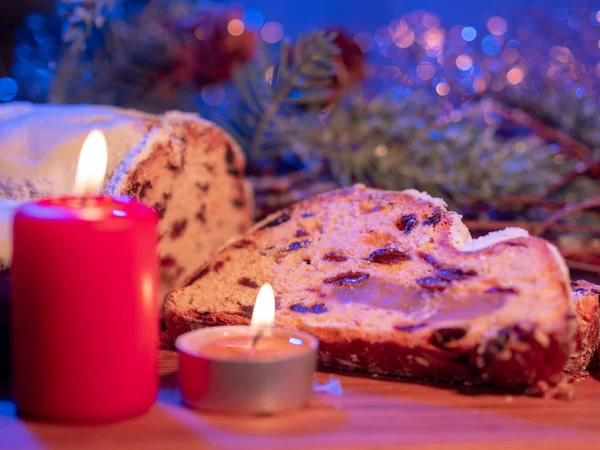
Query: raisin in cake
x=186, y=167
x=392, y=283
x=585, y=297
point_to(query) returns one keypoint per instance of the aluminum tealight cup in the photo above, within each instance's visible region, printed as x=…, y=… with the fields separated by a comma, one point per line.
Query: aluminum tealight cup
x=256, y=384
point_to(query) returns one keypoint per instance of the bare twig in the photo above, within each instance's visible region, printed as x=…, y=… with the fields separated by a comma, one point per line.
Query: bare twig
x=551, y=221
x=530, y=200
x=595, y=268
x=572, y=146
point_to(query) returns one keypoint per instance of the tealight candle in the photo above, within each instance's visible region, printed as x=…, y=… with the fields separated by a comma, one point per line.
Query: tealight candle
x=247, y=369
x=84, y=309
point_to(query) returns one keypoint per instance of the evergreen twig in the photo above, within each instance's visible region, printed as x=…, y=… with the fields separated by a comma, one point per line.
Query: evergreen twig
x=271, y=110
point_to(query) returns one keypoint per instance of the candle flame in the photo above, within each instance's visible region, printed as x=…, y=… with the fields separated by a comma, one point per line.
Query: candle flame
x=264, y=308
x=91, y=168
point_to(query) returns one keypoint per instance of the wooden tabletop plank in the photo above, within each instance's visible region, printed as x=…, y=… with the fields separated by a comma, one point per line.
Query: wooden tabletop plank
x=370, y=413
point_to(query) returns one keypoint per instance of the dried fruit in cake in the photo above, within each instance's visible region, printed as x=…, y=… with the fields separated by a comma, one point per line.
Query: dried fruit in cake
x=431, y=303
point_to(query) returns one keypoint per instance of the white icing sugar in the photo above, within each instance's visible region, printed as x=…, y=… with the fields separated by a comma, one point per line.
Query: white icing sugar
x=492, y=238
x=424, y=196
x=7, y=212
x=40, y=144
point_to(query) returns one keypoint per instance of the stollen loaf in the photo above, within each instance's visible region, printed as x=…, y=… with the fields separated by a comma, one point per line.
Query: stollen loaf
x=185, y=167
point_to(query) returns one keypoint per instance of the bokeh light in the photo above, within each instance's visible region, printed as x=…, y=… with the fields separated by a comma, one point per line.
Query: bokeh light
x=479, y=85
x=521, y=146
x=442, y=89
x=492, y=45
x=574, y=22
x=405, y=40
x=497, y=25
x=425, y=71
x=271, y=32
x=199, y=33
x=235, y=27
x=464, y=62
x=253, y=19
x=468, y=34
x=8, y=89
x=213, y=94
x=381, y=151
x=433, y=41
x=510, y=55
x=430, y=21
x=515, y=75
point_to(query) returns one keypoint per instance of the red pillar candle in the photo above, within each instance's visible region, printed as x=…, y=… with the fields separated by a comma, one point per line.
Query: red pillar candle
x=84, y=310
x=84, y=306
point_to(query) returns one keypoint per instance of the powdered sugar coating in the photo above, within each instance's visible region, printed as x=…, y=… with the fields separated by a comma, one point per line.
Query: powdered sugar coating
x=41, y=144
x=7, y=212
x=492, y=238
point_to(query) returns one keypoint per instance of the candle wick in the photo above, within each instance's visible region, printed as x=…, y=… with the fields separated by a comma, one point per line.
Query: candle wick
x=84, y=201
x=257, y=337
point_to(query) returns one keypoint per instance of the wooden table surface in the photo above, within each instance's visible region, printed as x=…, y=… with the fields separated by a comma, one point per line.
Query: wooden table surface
x=370, y=413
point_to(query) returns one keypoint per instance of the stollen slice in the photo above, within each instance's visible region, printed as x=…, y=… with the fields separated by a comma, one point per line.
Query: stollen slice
x=586, y=297
x=392, y=283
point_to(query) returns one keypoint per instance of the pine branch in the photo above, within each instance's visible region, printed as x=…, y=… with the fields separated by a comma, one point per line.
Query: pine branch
x=411, y=144
x=270, y=111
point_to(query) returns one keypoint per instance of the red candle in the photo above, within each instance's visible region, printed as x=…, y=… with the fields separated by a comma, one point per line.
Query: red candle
x=84, y=309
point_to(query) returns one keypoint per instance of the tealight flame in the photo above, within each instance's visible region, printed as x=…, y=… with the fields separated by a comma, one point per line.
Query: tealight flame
x=264, y=308
x=91, y=168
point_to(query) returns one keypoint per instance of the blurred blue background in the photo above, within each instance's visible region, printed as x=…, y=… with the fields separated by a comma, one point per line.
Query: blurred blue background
x=302, y=15
x=367, y=15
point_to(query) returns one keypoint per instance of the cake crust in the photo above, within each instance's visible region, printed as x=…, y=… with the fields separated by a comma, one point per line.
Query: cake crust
x=392, y=283
x=586, y=298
